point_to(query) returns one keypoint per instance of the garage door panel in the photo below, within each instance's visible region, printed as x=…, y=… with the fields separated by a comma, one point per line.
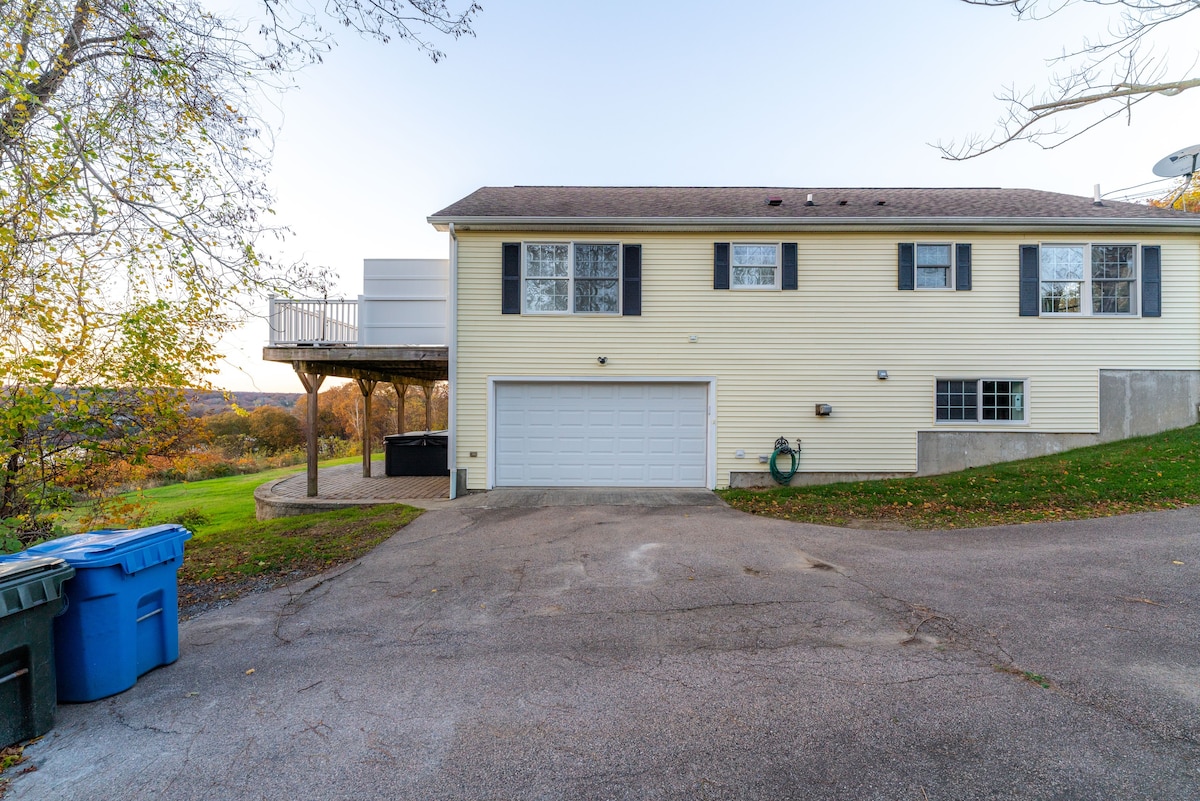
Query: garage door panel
x=660, y=473
x=603, y=448
x=660, y=446
x=602, y=476
x=631, y=446
x=607, y=419
x=660, y=419
x=568, y=446
x=601, y=434
x=626, y=391
x=600, y=391
x=542, y=393
x=671, y=392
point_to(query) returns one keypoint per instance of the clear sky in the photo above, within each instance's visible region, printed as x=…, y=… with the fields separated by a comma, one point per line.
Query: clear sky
x=667, y=92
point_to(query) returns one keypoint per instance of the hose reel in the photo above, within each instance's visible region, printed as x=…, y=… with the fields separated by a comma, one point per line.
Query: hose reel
x=782, y=448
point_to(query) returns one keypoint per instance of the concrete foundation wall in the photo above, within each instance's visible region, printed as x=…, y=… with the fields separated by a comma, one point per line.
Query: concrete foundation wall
x=951, y=451
x=1133, y=403
x=751, y=480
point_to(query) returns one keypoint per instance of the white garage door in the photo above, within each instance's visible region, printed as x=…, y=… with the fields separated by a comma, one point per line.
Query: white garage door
x=601, y=435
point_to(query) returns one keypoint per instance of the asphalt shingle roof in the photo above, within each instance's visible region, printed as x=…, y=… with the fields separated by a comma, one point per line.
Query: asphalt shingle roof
x=700, y=203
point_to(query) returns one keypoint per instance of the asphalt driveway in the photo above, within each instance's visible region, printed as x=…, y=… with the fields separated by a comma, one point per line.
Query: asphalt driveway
x=677, y=652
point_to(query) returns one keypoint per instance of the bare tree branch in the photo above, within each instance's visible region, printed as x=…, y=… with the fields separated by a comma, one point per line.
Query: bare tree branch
x=1120, y=69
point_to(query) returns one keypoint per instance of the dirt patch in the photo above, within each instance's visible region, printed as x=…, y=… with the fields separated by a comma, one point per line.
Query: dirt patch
x=200, y=597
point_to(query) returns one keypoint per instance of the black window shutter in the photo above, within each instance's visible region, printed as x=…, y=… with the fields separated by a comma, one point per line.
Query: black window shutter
x=721, y=265
x=906, y=266
x=631, y=281
x=791, y=269
x=1030, y=281
x=962, y=267
x=1152, y=281
x=510, y=285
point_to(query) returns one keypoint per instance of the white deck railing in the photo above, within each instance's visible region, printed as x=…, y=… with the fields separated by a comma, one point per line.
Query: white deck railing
x=313, y=322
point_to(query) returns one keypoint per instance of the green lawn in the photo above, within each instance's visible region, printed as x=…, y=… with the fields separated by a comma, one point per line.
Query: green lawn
x=226, y=503
x=232, y=553
x=1135, y=475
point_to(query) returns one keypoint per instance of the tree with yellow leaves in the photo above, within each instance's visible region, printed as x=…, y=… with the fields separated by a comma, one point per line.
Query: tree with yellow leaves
x=134, y=215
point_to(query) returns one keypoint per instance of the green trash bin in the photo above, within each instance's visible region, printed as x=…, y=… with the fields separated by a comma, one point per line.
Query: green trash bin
x=30, y=597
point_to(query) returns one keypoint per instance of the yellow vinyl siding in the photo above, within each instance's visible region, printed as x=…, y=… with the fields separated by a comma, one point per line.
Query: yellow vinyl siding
x=774, y=354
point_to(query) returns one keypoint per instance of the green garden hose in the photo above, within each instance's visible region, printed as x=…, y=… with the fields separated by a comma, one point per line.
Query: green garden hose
x=782, y=448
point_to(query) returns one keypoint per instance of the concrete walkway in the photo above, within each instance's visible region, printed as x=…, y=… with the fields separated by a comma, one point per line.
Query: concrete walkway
x=344, y=486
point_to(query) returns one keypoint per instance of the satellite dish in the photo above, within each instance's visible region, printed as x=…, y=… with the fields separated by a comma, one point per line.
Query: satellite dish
x=1181, y=162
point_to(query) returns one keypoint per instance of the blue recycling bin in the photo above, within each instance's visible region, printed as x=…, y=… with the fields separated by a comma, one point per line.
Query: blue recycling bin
x=122, y=616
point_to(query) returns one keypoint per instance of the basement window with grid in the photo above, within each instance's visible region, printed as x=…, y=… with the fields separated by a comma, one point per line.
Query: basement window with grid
x=980, y=400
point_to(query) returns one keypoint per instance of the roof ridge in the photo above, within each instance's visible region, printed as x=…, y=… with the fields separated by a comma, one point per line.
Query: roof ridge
x=774, y=206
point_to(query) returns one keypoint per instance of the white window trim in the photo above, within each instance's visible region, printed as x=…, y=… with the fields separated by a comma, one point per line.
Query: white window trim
x=951, y=283
x=733, y=285
x=979, y=422
x=1085, y=295
x=570, y=279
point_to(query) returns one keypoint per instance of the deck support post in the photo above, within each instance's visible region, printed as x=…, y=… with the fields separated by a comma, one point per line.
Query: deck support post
x=367, y=387
x=428, y=390
x=312, y=385
x=401, y=388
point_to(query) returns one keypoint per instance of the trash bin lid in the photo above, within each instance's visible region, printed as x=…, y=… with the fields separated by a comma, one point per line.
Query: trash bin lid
x=418, y=438
x=28, y=581
x=21, y=565
x=133, y=549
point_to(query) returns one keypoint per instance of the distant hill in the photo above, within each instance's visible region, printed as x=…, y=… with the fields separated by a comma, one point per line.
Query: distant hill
x=206, y=403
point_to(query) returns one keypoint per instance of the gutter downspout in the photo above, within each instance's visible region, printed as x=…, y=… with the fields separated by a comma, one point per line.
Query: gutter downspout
x=452, y=366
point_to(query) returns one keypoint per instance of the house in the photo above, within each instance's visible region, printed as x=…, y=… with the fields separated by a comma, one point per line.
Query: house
x=668, y=336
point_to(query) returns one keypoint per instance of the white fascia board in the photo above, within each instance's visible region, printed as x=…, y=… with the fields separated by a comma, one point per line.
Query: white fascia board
x=605, y=224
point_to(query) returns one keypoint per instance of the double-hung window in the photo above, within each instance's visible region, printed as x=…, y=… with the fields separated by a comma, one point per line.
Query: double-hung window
x=933, y=266
x=754, y=267
x=980, y=400
x=572, y=278
x=1088, y=279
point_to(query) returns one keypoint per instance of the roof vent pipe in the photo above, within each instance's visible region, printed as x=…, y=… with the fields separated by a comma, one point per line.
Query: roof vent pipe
x=1096, y=196
x=809, y=202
